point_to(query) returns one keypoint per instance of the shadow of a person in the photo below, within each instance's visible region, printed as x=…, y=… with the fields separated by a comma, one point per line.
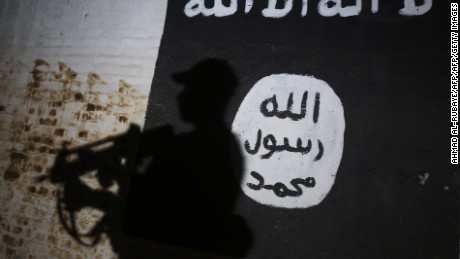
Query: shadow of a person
x=187, y=194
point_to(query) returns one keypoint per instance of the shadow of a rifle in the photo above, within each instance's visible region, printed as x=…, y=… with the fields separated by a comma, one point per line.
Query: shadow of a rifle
x=95, y=177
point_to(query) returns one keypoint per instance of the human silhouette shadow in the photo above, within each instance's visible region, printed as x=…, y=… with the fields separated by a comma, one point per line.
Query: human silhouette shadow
x=173, y=189
x=187, y=194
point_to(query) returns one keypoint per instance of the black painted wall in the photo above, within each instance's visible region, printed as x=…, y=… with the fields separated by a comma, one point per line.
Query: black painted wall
x=391, y=73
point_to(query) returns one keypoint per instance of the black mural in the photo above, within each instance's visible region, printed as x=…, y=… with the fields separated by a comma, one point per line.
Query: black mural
x=388, y=61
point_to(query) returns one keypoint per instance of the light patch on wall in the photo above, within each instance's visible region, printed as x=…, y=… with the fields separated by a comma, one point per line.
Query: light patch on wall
x=59, y=108
x=290, y=130
x=45, y=107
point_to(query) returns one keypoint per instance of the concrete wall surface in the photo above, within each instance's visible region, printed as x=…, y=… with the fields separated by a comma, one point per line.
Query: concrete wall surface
x=71, y=72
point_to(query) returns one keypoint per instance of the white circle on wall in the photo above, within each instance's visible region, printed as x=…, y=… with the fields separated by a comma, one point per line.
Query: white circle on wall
x=290, y=130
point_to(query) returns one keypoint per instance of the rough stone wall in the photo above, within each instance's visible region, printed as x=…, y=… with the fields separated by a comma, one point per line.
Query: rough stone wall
x=71, y=72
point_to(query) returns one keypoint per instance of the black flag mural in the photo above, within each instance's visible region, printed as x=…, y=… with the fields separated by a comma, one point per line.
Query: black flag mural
x=300, y=129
